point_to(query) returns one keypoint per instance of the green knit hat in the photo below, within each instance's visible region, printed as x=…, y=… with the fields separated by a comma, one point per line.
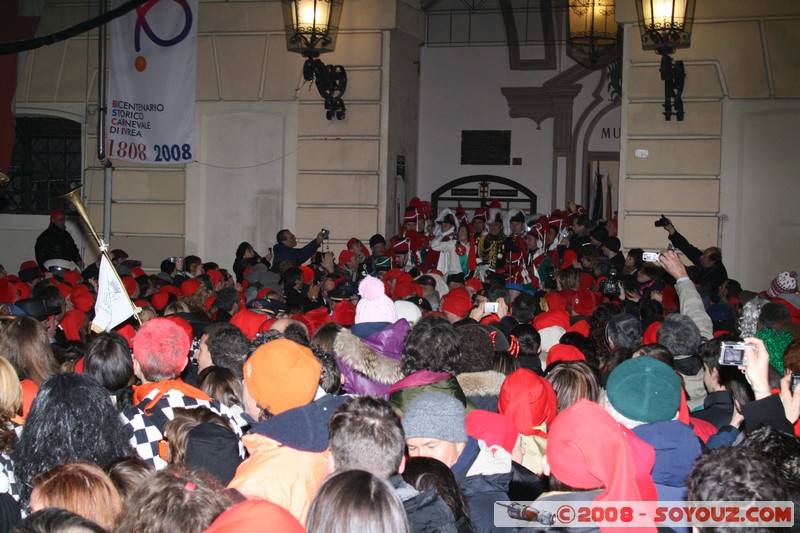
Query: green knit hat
x=644, y=389
x=776, y=341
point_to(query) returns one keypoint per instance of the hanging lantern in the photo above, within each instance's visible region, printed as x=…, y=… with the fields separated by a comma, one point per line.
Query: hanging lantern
x=311, y=28
x=666, y=25
x=595, y=38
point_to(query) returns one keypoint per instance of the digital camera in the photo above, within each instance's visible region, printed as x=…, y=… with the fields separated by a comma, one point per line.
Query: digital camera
x=734, y=353
x=609, y=286
x=661, y=222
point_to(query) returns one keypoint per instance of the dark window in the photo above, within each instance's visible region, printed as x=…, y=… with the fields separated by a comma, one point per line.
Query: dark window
x=46, y=164
x=485, y=147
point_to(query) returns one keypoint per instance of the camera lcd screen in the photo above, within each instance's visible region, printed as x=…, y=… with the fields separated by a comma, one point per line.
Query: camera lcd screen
x=732, y=356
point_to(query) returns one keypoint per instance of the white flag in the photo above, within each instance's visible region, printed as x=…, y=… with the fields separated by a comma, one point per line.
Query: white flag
x=113, y=304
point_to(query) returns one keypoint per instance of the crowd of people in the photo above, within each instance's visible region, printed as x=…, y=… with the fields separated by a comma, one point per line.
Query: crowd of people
x=405, y=386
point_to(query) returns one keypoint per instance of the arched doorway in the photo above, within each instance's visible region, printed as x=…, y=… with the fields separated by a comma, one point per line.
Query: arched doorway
x=482, y=189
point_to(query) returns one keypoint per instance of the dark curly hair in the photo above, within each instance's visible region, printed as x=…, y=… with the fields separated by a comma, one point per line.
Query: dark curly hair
x=736, y=473
x=72, y=419
x=432, y=344
x=228, y=346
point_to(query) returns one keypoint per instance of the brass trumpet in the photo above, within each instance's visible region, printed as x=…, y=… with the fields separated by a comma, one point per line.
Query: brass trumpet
x=74, y=197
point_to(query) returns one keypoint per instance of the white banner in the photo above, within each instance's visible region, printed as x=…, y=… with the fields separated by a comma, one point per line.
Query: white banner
x=151, y=86
x=113, y=305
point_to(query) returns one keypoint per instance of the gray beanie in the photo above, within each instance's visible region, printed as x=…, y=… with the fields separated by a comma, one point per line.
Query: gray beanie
x=436, y=416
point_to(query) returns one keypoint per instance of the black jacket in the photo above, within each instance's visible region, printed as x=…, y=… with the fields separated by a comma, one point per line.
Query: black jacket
x=426, y=511
x=710, y=278
x=481, y=491
x=55, y=243
x=717, y=409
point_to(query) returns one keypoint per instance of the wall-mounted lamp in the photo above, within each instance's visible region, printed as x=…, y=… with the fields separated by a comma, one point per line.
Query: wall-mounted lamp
x=595, y=39
x=666, y=25
x=311, y=28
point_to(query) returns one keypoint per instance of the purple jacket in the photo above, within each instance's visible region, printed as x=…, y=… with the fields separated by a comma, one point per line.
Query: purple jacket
x=371, y=365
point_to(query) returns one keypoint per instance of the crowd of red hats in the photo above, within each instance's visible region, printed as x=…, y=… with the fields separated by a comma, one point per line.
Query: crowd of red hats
x=570, y=350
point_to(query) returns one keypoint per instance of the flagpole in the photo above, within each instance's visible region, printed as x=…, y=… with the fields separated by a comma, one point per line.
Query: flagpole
x=74, y=197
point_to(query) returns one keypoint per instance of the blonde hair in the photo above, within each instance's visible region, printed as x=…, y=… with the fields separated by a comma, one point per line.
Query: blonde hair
x=10, y=389
x=178, y=306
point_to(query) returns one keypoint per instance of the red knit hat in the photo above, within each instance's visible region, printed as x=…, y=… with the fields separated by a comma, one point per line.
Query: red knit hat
x=555, y=301
x=252, y=515
x=528, y=400
x=267, y=324
x=82, y=299
x=314, y=319
x=129, y=284
x=403, y=290
x=586, y=280
x=345, y=256
x=63, y=289
x=583, y=302
x=264, y=292
x=475, y=284
x=172, y=289
x=189, y=287
x=569, y=257
x=457, y=301
x=493, y=429
x=344, y=313
x=582, y=327
x=159, y=300
x=669, y=297
x=73, y=277
x=391, y=274
x=7, y=292
x=215, y=275
x=127, y=331
x=576, y=459
x=551, y=318
x=308, y=275
x=650, y=335
x=71, y=324
x=564, y=352
x=248, y=321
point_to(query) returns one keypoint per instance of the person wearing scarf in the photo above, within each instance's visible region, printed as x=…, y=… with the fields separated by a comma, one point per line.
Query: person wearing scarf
x=160, y=353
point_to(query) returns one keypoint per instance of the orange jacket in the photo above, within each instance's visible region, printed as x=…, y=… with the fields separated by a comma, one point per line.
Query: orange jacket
x=280, y=474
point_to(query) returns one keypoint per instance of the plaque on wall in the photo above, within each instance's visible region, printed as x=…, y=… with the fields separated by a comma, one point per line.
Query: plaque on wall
x=485, y=147
x=464, y=192
x=505, y=193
